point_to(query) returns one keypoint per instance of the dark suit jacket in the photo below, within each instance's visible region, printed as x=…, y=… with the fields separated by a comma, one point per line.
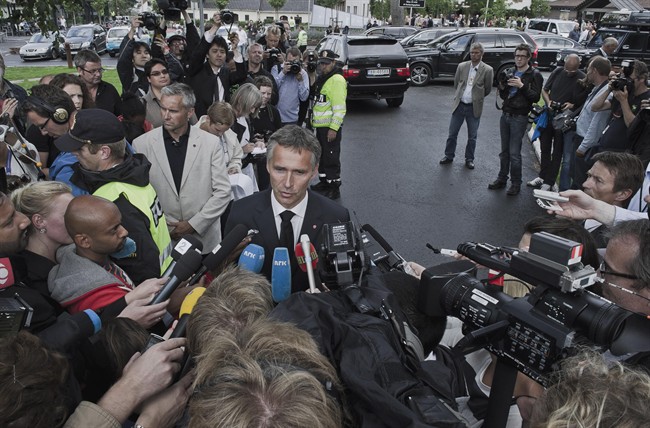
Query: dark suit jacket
x=255, y=212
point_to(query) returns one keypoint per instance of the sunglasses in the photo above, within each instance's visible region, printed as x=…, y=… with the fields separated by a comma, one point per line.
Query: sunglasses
x=159, y=73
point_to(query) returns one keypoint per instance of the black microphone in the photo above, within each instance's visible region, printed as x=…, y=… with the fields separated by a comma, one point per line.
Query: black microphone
x=187, y=242
x=221, y=251
x=186, y=266
x=394, y=261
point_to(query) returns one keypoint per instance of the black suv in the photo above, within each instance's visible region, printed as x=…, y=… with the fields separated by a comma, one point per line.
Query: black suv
x=632, y=44
x=441, y=59
x=374, y=67
x=89, y=36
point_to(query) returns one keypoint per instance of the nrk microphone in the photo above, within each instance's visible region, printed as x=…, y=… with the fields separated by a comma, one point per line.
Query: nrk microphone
x=307, y=259
x=281, y=275
x=221, y=251
x=394, y=261
x=185, y=267
x=252, y=258
x=186, y=310
x=187, y=242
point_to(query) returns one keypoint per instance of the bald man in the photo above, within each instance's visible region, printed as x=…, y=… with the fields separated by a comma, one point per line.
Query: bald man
x=86, y=277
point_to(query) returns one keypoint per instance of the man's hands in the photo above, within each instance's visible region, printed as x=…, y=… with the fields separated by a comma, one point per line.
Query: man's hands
x=331, y=135
x=582, y=206
x=179, y=229
x=164, y=409
x=515, y=82
x=9, y=107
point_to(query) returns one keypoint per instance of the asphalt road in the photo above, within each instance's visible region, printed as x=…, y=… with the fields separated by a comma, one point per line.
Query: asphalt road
x=13, y=60
x=392, y=179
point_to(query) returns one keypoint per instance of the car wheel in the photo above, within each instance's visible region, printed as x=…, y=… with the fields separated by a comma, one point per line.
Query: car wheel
x=395, y=102
x=501, y=70
x=420, y=75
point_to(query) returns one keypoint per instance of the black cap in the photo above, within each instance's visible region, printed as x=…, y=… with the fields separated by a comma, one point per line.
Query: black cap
x=327, y=54
x=175, y=37
x=91, y=126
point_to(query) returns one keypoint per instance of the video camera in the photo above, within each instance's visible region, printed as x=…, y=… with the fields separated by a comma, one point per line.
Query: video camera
x=534, y=332
x=171, y=9
x=341, y=257
x=15, y=314
x=149, y=20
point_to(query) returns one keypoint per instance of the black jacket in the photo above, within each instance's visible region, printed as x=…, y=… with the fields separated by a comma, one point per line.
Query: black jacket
x=203, y=80
x=524, y=97
x=134, y=170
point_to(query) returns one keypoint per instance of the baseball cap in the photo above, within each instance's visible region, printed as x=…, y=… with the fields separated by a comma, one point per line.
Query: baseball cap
x=327, y=55
x=175, y=37
x=91, y=126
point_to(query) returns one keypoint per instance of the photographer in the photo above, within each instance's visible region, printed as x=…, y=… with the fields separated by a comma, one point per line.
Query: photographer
x=562, y=92
x=520, y=88
x=293, y=86
x=210, y=74
x=130, y=65
x=628, y=89
x=274, y=50
x=180, y=47
x=255, y=68
x=638, y=134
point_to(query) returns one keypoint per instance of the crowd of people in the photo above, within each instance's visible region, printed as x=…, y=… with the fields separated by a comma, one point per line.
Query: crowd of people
x=110, y=189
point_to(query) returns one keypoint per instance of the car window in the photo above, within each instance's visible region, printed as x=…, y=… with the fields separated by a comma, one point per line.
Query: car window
x=118, y=33
x=597, y=40
x=635, y=42
x=358, y=47
x=566, y=27
x=393, y=32
x=459, y=43
x=557, y=43
x=487, y=40
x=511, y=40
x=538, y=25
x=376, y=32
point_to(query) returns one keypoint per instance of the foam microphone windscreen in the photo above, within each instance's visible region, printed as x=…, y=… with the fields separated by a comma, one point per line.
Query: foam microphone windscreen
x=252, y=258
x=186, y=310
x=281, y=275
x=300, y=256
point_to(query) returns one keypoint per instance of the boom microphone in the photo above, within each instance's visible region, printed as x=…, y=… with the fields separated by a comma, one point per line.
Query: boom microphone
x=185, y=267
x=394, y=261
x=221, y=251
x=186, y=243
x=307, y=259
x=281, y=275
x=252, y=258
x=186, y=310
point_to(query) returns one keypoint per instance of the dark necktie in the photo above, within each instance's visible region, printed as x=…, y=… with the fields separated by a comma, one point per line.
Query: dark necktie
x=286, y=232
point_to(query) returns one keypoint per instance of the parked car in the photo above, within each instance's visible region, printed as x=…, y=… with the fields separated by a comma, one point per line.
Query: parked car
x=555, y=26
x=115, y=35
x=41, y=46
x=441, y=59
x=548, y=45
x=375, y=67
x=390, y=31
x=424, y=36
x=89, y=36
x=632, y=44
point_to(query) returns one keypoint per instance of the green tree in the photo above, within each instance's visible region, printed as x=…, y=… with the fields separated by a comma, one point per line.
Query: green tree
x=277, y=5
x=380, y=9
x=539, y=8
x=498, y=12
x=437, y=7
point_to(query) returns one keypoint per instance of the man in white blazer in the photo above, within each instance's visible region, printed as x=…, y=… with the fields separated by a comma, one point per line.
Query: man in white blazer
x=188, y=169
x=472, y=82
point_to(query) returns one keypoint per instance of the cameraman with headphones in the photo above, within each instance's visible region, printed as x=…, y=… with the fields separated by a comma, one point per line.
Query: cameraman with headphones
x=520, y=87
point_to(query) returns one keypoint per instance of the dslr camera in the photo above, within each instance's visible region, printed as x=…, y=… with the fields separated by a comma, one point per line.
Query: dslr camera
x=228, y=17
x=555, y=106
x=311, y=61
x=622, y=80
x=149, y=20
x=505, y=75
x=295, y=66
x=273, y=55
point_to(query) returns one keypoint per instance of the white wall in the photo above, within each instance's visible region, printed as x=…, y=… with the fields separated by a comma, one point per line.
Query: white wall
x=322, y=17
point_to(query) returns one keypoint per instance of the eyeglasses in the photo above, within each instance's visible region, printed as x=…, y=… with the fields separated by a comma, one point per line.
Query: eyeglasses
x=521, y=56
x=625, y=290
x=159, y=73
x=96, y=71
x=44, y=124
x=603, y=270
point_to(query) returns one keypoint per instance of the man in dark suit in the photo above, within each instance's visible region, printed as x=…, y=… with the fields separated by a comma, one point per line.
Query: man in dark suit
x=292, y=161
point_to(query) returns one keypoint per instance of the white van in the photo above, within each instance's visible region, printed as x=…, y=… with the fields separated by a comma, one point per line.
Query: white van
x=555, y=26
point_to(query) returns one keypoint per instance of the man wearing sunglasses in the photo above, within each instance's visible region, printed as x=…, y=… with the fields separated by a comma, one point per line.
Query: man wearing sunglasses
x=158, y=76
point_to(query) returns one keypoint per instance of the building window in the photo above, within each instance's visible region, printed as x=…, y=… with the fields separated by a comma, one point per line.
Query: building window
x=348, y=9
x=246, y=18
x=364, y=9
x=355, y=10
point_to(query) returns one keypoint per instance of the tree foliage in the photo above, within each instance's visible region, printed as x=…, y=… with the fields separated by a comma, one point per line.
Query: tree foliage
x=277, y=5
x=380, y=9
x=539, y=8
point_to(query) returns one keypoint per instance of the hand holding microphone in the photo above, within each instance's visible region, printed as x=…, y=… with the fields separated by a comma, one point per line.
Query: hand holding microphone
x=185, y=267
x=186, y=311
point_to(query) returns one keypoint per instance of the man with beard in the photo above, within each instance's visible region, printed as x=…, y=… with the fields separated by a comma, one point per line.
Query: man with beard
x=328, y=112
x=105, y=169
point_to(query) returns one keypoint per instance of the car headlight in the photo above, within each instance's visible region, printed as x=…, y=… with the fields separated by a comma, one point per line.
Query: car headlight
x=42, y=50
x=85, y=44
x=22, y=51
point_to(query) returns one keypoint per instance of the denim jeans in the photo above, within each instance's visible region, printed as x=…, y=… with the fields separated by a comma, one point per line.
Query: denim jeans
x=513, y=127
x=463, y=113
x=567, y=159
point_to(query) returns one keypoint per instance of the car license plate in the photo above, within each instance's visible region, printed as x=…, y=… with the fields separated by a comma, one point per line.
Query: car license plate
x=379, y=72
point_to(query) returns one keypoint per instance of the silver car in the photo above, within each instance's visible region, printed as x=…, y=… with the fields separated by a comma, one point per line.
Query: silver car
x=41, y=46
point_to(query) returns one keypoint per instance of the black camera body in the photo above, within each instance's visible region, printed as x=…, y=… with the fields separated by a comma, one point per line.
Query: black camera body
x=171, y=9
x=341, y=257
x=273, y=55
x=555, y=106
x=534, y=113
x=295, y=66
x=312, y=61
x=505, y=75
x=228, y=17
x=149, y=20
x=569, y=124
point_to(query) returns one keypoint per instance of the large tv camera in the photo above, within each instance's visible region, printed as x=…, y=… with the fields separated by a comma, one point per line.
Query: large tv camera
x=534, y=332
x=341, y=257
x=171, y=9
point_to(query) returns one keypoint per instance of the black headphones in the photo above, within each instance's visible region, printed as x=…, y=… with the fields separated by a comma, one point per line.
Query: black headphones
x=57, y=113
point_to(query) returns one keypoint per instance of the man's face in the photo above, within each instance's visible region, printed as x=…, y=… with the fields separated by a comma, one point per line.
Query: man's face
x=292, y=58
x=177, y=47
x=325, y=66
x=610, y=48
x=618, y=256
x=272, y=41
x=76, y=94
x=91, y=73
x=47, y=126
x=175, y=115
x=290, y=173
x=216, y=56
x=140, y=57
x=475, y=55
x=521, y=58
x=109, y=235
x=159, y=76
x=571, y=66
x=13, y=228
x=600, y=183
x=255, y=55
x=88, y=160
x=267, y=92
x=639, y=83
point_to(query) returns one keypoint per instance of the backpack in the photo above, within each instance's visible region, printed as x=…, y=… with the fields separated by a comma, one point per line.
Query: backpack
x=369, y=341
